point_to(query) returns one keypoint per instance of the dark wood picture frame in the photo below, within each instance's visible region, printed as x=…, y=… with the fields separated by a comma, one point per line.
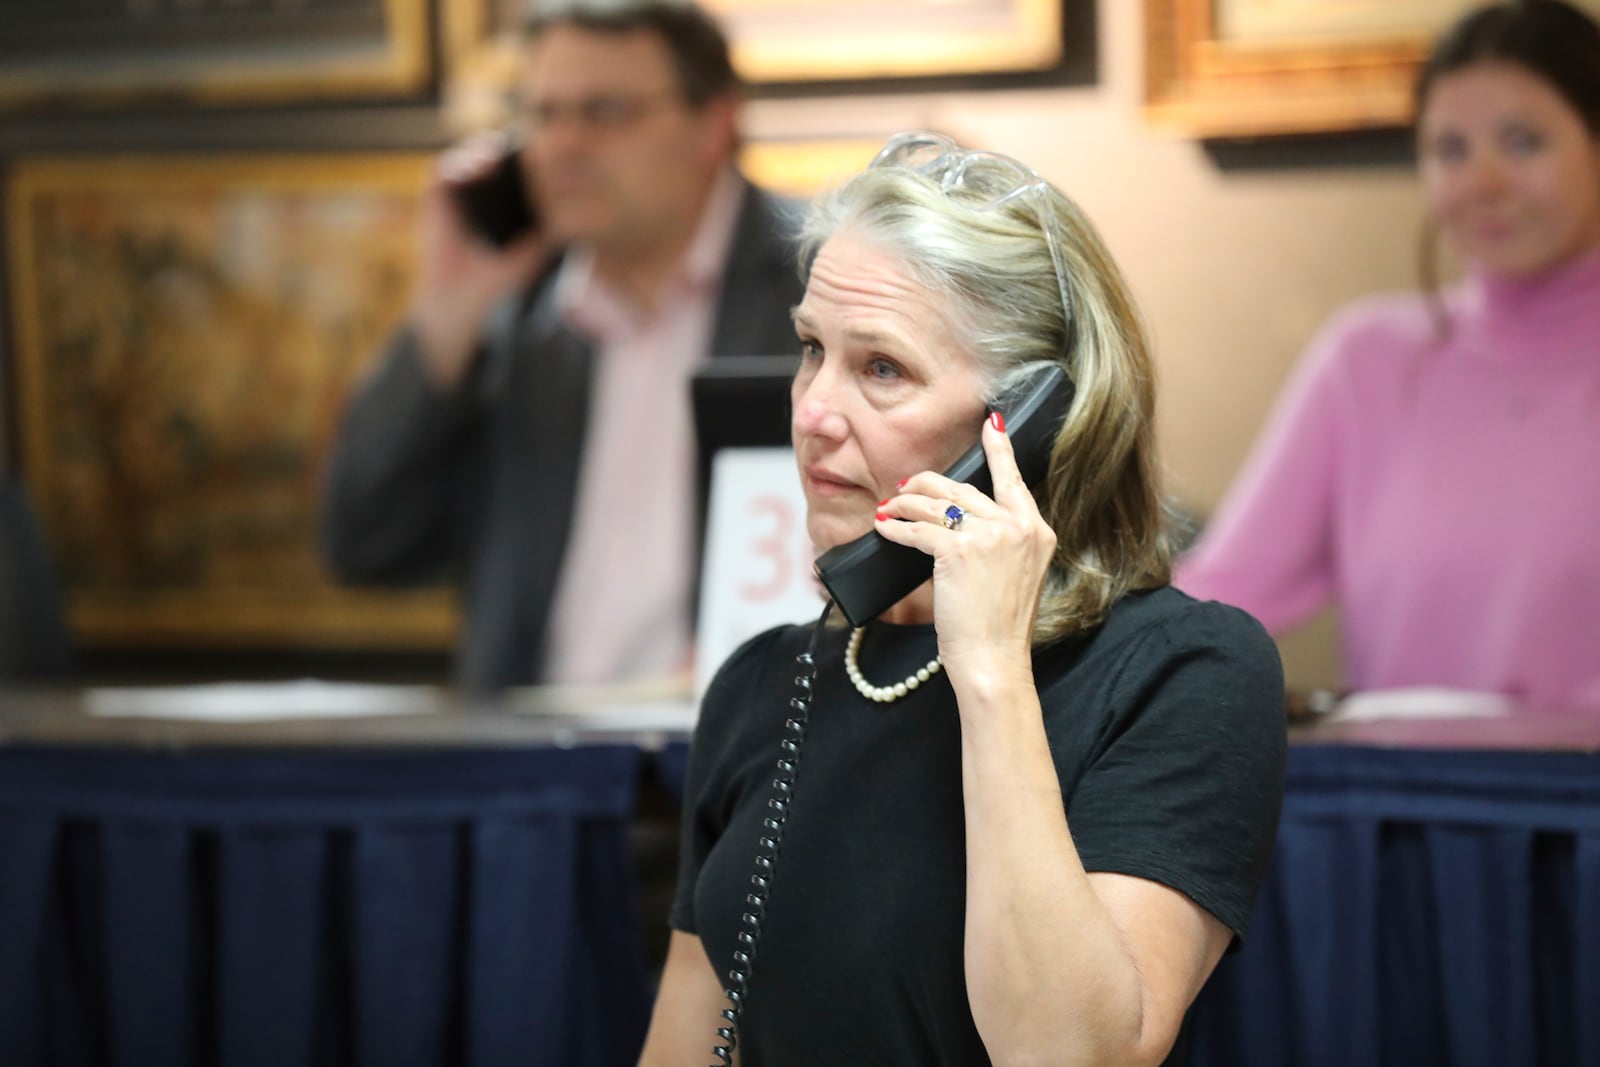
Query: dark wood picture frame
x=210, y=52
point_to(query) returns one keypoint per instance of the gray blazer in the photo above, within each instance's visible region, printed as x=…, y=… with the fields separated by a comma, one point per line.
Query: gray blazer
x=481, y=484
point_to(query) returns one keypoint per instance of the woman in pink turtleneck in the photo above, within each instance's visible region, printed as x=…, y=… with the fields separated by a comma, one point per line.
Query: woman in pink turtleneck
x=1434, y=464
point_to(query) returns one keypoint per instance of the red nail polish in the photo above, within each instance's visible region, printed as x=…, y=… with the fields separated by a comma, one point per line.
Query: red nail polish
x=881, y=517
x=998, y=421
x=902, y=483
x=884, y=501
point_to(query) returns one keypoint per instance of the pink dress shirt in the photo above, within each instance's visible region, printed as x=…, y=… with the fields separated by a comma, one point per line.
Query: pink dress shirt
x=622, y=604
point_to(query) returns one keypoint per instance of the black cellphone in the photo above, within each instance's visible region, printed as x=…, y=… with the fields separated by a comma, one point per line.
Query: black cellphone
x=870, y=574
x=497, y=205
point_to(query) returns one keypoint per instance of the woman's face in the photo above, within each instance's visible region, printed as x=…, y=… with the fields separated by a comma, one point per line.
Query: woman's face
x=884, y=388
x=1511, y=173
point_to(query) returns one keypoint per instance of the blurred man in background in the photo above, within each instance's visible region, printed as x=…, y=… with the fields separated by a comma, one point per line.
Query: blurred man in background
x=528, y=428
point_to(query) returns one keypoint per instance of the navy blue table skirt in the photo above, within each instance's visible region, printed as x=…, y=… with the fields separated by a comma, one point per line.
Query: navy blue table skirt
x=672, y=763
x=384, y=909
x=1424, y=908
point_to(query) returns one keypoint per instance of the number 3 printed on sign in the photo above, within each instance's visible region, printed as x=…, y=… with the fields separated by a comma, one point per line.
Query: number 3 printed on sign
x=772, y=547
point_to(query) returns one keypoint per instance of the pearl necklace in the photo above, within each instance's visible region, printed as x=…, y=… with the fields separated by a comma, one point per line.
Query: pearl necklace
x=883, y=694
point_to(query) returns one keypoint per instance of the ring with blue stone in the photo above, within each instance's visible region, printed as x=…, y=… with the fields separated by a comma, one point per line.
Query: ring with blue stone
x=953, y=516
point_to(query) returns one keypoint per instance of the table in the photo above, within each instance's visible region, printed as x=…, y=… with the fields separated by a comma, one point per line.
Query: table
x=454, y=887
x=1434, y=898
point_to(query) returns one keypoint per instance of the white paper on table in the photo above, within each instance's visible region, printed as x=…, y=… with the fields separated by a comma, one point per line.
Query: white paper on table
x=671, y=716
x=757, y=570
x=663, y=703
x=262, y=701
x=1421, y=702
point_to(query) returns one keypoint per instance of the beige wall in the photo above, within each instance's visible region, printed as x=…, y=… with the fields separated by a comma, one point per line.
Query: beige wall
x=1234, y=271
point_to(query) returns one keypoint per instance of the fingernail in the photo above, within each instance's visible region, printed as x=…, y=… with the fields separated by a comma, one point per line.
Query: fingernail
x=884, y=501
x=901, y=484
x=998, y=421
x=881, y=517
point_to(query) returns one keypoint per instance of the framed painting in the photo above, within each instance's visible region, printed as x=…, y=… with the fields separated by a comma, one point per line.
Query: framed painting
x=801, y=167
x=84, y=55
x=483, y=58
x=186, y=330
x=848, y=40
x=1251, y=68
x=467, y=24
x=799, y=41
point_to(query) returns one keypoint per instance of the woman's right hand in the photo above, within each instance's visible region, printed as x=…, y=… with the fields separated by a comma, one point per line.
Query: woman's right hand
x=460, y=277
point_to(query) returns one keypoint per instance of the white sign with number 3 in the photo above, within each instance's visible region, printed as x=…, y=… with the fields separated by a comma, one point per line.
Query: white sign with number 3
x=757, y=570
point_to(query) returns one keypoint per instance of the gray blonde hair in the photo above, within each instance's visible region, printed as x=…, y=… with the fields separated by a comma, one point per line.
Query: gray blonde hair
x=993, y=267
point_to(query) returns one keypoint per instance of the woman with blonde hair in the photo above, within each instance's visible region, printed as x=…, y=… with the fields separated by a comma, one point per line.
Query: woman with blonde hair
x=1018, y=815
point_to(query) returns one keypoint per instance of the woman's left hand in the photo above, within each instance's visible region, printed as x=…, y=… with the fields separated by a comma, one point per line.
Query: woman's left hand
x=989, y=569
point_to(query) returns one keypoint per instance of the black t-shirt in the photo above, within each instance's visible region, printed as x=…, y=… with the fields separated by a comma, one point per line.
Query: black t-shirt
x=1166, y=725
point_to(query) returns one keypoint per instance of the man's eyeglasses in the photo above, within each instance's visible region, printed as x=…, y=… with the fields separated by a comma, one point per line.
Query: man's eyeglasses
x=600, y=114
x=991, y=180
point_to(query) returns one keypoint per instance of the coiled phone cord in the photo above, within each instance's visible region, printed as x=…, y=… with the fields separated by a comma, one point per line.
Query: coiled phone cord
x=766, y=857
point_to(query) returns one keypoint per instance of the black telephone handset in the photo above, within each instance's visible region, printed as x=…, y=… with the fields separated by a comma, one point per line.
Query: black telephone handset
x=868, y=575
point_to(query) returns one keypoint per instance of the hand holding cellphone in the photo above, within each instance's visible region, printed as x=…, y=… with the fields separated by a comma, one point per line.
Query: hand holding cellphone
x=497, y=205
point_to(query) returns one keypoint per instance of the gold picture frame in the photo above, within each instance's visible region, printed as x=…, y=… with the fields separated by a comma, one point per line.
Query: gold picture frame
x=796, y=41
x=1253, y=68
x=467, y=24
x=186, y=331
x=205, y=55
x=799, y=41
x=802, y=167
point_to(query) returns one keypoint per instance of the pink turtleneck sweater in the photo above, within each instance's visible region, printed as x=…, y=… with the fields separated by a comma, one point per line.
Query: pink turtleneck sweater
x=1445, y=490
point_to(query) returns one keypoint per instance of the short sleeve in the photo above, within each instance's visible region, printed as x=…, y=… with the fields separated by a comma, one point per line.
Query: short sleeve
x=1185, y=784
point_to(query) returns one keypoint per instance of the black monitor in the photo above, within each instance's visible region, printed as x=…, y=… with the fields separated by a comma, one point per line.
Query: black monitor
x=739, y=402
x=742, y=402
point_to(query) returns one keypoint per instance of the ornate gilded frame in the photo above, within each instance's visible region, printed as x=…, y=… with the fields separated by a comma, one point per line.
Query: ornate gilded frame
x=186, y=329
x=228, y=68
